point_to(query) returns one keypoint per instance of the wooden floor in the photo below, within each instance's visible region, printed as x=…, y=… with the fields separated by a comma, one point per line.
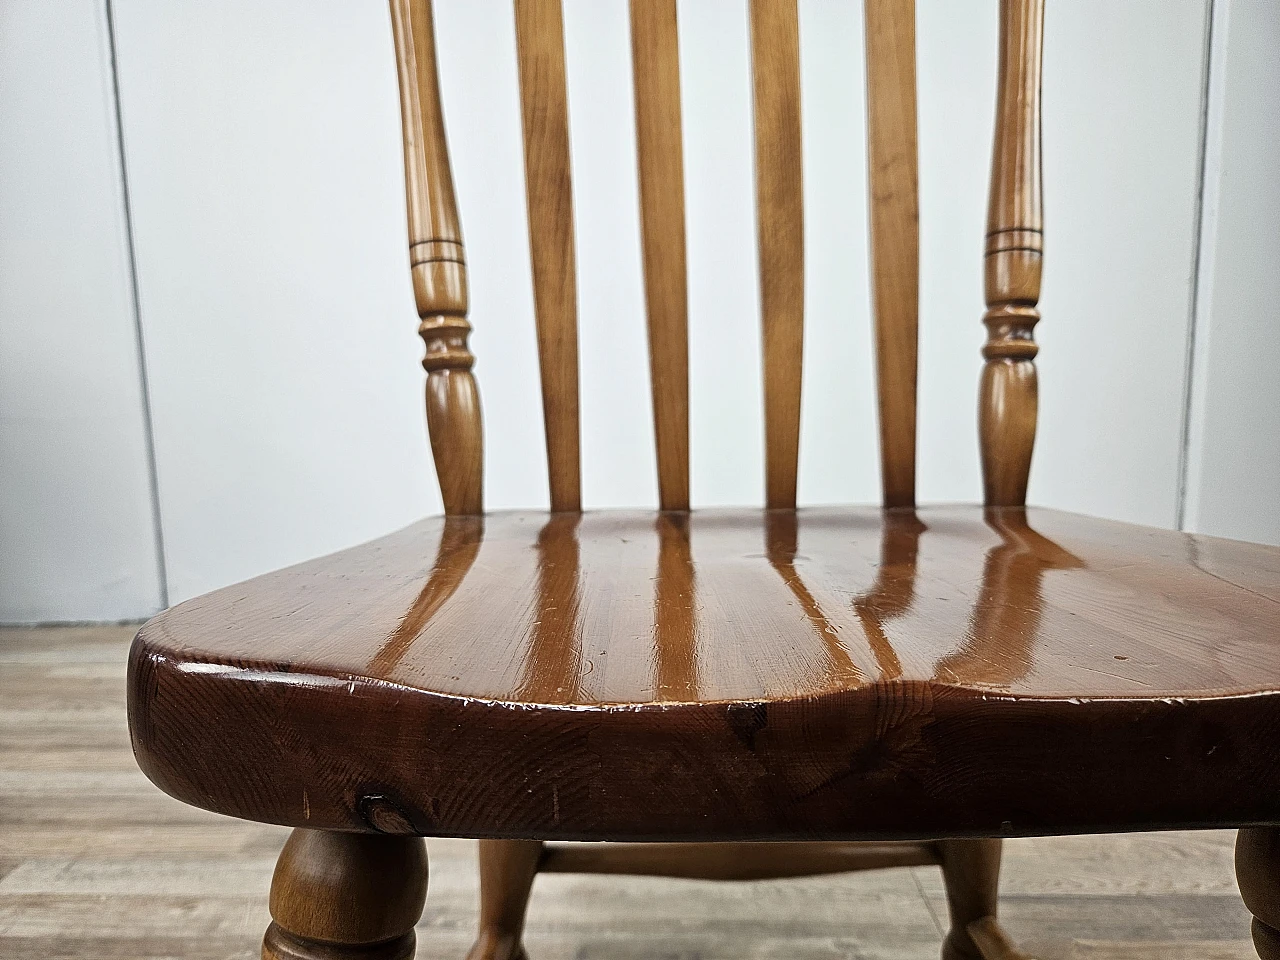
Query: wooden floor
x=95, y=862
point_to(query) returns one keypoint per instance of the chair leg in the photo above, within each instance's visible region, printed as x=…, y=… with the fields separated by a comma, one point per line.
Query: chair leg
x=1258, y=874
x=971, y=872
x=507, y=869
x=343, y=896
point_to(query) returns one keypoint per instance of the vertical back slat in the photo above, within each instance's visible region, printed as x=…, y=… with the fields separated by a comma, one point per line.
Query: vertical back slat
x=775, y=59
x=895, y=235
x=660, y=156
x=548, y=189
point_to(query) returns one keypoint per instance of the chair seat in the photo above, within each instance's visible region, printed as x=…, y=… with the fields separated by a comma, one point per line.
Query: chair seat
x=737, y=674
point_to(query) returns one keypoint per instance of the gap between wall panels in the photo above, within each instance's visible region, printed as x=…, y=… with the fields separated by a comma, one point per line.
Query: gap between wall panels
x=162, y=574
x=1199, y=304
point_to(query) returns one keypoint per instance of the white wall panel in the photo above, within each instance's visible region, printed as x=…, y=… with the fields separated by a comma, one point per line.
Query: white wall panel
x=263, y=148
x=263, y=143
x=76, y=537
x=1233, y=478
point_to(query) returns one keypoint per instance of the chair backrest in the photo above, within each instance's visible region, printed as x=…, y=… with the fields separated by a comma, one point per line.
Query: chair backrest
x=1013, y=254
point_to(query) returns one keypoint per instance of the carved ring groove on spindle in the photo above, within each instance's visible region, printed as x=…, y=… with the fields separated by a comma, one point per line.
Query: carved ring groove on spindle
x=446, y=340
x=431, y=251
x=438, y=265
x=1010, y=332
x=1013, y=260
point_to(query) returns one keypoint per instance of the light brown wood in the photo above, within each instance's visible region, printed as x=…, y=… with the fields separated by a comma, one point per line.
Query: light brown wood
x=507, y=869
x=775, y=65
x=589, y=679
x=438, y=265
x=544, y=112
x=1014, y=251
x=660, y=161
x=1258, y=874
x=733, y=861
x=346, y=896
x=895, y=235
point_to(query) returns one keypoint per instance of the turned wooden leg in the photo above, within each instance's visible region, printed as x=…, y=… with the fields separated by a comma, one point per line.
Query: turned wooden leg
x=507, y=869
x=343, y=896
x=971, y=871
x=1258, y=873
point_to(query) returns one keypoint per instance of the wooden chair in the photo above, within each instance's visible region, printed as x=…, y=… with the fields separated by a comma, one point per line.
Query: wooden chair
x=923, y=682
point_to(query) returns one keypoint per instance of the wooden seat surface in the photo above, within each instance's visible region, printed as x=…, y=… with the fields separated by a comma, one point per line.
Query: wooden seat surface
x=843, y=672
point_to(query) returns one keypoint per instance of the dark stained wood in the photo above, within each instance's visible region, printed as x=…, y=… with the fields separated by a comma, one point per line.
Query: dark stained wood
x=346, y=896
x=1141, y=640
x=438, y=265
x=660, y=155
x=544, y=110
x=775, y=63
x=893, y=180
x=1258, y=873
x=734, y=861
x=1014, y=252
x=98, y=868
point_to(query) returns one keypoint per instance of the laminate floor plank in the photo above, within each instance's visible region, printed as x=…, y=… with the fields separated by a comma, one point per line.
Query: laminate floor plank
x=97, y=864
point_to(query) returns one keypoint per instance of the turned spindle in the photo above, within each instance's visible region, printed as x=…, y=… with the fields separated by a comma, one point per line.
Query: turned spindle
x=438, y=264
x=1013, y=257
x=1258, y=874
x=346, y=896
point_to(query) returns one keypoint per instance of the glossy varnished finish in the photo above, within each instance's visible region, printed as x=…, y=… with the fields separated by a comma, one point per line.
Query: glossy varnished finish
x=336, y=896
x=610, y=677
x=744, y=675
x=97, y=863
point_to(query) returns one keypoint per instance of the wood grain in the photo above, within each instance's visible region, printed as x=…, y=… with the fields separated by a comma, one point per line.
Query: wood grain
x=1013, y=261
x=792, y=722
x=775, y=66
x=438, y=265
x=97, y=886
x=346, y=896
x=544, y=112
x=893, y=179
x=655, y=55
x=743, y=676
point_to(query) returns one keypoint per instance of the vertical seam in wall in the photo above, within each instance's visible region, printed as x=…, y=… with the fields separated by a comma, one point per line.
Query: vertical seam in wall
x=1198, y=254
x=162, y=567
